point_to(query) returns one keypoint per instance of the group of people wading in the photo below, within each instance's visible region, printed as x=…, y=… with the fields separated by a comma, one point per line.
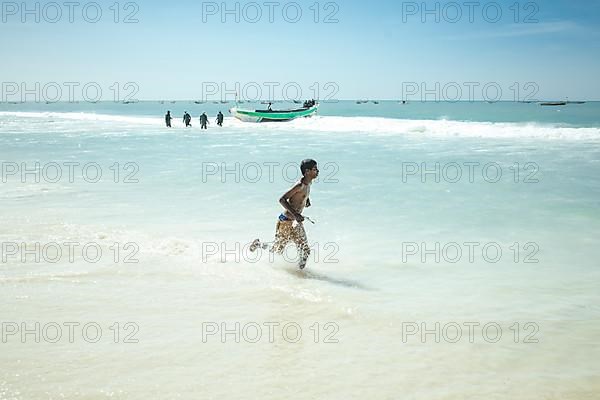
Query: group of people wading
x=187, y=119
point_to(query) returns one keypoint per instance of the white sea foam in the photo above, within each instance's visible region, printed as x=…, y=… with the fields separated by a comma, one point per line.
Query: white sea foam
x=390, y=126
x=331, y=124
x=81, y=116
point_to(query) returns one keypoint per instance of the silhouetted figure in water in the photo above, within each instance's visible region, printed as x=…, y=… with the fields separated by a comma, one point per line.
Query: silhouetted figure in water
x=270, y=109
x=168, y=119
x=203, y=121
x=220, y=118
x=187, y=119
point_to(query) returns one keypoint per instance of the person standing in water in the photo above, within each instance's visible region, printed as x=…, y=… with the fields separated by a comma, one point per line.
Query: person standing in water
x=168, y=119
x=290, y=228
x=203, y=121
x=220, y=118
x=187, y=119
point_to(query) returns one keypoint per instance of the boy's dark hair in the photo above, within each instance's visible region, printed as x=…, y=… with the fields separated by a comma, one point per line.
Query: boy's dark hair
x=307, y=164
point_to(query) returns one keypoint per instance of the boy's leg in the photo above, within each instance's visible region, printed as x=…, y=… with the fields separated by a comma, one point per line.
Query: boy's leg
x=284, y=234
x=301, y=242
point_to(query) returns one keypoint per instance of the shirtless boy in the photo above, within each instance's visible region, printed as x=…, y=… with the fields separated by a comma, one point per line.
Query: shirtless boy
x=290, y=228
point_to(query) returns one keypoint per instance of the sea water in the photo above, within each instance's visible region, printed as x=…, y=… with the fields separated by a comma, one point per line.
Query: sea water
x=455, y=253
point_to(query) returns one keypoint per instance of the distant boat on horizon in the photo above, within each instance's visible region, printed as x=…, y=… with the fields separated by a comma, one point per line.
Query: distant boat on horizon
x=554, y=103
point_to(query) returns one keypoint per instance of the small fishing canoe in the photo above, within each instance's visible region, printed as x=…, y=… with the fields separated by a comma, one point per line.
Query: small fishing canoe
x=273, y=115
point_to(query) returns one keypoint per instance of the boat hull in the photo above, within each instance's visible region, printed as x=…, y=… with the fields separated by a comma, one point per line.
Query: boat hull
x=273, y=116
x=554, y=104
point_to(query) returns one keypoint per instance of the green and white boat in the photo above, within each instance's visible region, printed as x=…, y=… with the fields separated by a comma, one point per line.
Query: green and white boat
x=273, y=115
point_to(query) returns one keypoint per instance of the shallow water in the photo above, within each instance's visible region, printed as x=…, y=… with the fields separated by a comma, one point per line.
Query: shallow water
x=185, y=204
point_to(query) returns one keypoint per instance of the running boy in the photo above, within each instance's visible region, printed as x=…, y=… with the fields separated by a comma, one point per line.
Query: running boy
x=290, y=228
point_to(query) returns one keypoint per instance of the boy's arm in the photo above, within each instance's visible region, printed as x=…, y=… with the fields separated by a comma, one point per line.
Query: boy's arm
x=284, y=201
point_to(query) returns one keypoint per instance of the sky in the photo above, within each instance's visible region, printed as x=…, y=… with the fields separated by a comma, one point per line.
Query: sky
x=347, y=49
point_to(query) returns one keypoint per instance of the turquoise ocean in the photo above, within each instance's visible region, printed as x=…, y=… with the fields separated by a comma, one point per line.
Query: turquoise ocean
x=455, y=253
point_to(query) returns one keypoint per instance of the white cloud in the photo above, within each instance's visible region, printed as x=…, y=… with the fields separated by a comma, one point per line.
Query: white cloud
x=520, y=30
